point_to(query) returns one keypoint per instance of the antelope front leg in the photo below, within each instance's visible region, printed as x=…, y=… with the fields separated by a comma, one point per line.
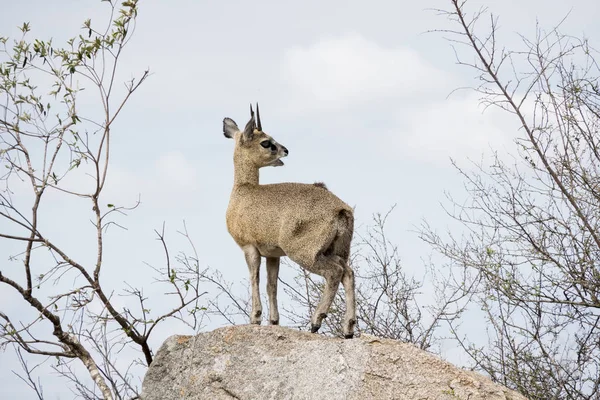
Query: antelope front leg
x=253, y=261
x=272, y=275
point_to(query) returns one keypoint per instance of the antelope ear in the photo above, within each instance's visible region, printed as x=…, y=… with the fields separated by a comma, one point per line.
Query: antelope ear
x=229, y=128
x=248, y=133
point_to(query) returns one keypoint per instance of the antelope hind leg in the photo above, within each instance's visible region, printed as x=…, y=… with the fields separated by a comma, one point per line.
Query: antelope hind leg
x=350, y=316
x=331, y=269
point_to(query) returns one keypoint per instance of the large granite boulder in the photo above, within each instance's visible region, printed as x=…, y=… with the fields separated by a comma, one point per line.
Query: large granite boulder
x=272, y=362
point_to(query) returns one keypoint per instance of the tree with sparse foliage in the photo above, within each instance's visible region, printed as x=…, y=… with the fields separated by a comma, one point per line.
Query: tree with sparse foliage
x=48, y=136
x=531, y=254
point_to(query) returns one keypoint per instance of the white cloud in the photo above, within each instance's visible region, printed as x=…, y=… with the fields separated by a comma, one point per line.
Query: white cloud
x=458, y=128
x=340, y=71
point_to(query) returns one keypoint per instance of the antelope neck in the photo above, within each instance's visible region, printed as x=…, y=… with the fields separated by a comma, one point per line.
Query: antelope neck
x=244, y=173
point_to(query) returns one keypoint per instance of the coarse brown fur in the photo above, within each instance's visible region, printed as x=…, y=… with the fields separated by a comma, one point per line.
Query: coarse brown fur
x=305, y=222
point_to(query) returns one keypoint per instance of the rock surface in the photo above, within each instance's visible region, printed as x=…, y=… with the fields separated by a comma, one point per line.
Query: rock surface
x=272, y=362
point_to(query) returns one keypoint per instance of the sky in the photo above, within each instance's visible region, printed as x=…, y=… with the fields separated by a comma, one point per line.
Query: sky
x=360, y=94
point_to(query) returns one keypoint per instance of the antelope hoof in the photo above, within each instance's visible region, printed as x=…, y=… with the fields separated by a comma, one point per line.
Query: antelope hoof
x=255, y=318
x=274, y=322
x=314, y=328
x=349, y=329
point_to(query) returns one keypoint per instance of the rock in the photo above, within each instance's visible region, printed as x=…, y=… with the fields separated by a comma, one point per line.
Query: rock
x=271, y=362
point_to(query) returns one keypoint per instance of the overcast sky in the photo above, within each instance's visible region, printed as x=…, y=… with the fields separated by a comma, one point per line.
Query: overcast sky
x=357, y=91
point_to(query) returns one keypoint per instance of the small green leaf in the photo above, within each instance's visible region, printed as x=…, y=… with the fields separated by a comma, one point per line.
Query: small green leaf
x=25, y=27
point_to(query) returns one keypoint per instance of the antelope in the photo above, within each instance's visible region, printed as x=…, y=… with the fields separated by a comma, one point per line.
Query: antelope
x=305, y=222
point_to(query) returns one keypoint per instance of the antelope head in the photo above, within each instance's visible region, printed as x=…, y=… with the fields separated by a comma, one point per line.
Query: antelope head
x=252, y=144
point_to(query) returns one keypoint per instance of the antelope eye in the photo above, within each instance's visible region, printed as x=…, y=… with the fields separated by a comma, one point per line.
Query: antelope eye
x=266, y=144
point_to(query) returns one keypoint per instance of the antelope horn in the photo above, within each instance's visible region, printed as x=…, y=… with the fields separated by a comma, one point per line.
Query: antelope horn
x=259, y=126
x=252, y=115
